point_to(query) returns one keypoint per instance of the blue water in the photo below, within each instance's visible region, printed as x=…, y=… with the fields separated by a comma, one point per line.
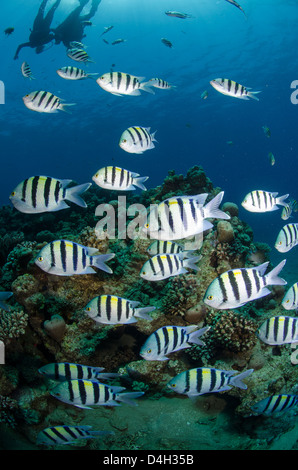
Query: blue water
x=258, y=51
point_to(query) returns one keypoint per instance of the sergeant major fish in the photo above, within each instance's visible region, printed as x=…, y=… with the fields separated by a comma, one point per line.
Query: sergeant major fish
x=3, y=297
x=87, y=393
x=115, y=178
x=202, y=380
x=287, y=238
x=69, y=371
x=168, y=339
x=163, y=266
x=263, y=201
x=79, y=55
x=66, y=258
x=230, y=88
x=120, y=83
x=39, y=194
x=74, y=73
x=26, y=71
x=279, y=330
x=162, y=247
x=59, y=435
x=137, y=139
x=113, y=310
x=45, y=102
x=183, y=216
x=275, y=404
x=290, y=299
x=236, y=287
x=160, y=83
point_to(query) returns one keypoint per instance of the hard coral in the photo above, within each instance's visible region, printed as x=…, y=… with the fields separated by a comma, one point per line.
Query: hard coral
x=12, y=323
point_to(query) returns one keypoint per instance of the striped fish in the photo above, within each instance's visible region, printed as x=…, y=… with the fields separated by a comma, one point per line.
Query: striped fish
x=287, y=238
x=163, y=266
x=66, y=258
x=168, y=339
x=74, y=73
x=45, y=194
x=119, y=83
x=290, y=300
x=160, y=83
x=183, y=216
x=236, y=287
x=78, y=54
x=275, y=404
x=196, y=382
x=59, y=435
x=26, y=71
x=279, y=330
x=69, y=371
x=3, y=297
x=230, y=88
x=263, y=201
x=112, y=177
x=112, y=310
x=137, y=139
x=45, y=102
x=162, y=247
x=87, y=393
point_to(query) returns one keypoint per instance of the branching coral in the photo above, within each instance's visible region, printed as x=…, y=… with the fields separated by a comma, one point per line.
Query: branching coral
x=12, y=323
x=181, y=293
x=8, y=407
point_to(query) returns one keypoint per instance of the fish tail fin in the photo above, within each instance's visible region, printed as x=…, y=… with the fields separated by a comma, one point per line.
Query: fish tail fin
x=252, y=94
x=190, y=263
x=74, y=194
x=211, y=209
x=142, y=313
x=99, y=262
x=64, y=107
x=145, y=86
x=237, y=380
x=272, y=277
x=281, y=200
x=195, y=335
x=129, y=397
x=138, y=181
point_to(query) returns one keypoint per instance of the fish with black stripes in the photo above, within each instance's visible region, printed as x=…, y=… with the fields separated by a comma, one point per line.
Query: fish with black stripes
x=119, y=179
x=275, y=404
x=120, y=83
x=279, y=330
x=69, y=371
x=3, y=297
x=160, y=247
x=88, y=393
x=161, y=84
x=163, y=266
x=288, y=209
x=169, y=339
x=74, y=73
x=233, y=2
x=231, y=88
x=263, y=201
x=137, y=139
x=287, y=238
x=183, y=216
x=26, y=71
x=39, y=194
x=113, y=310
x=177, y=14
x=45, y=102
x=79, y=55
x=66, y=258
x=202, y=380
x=290, y=299
x=236, y=287
x=65, y=435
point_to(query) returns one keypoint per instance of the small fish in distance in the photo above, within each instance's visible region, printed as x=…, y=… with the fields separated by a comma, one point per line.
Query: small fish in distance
x=166, y=42
x=230, y=88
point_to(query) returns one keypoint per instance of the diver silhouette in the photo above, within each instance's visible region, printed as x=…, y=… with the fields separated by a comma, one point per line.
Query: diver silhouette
x=40, y=33
x=72, y=28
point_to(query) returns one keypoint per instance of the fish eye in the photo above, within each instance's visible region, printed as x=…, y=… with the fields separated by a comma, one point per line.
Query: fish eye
x=147, y=226
x=40, y=258
x=149, y=351
x=210, y=297
x=88, y=309
x=143, y=272
x=124, y=140
x=279, y=243
x=287, y=301
x=173, y=385
x=13, y=193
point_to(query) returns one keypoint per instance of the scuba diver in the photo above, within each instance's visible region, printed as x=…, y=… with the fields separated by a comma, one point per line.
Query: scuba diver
x=40, y=33
x=72, y=28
